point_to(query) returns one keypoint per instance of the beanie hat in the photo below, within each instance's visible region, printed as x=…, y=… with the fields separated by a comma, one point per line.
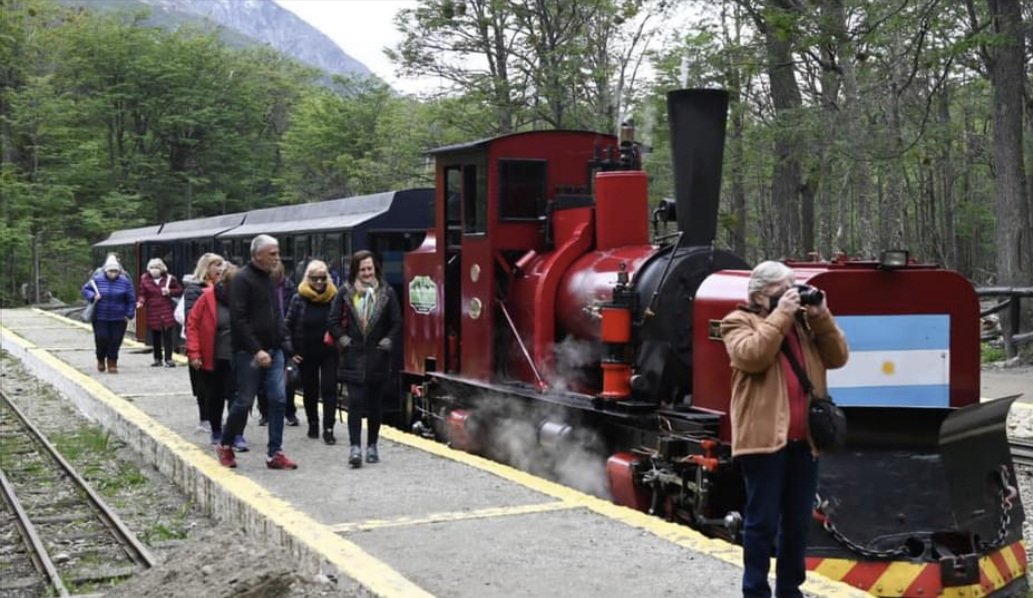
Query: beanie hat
x=111, y=264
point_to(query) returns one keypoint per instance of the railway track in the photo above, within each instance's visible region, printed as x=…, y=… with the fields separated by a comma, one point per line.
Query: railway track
x=57, y=535
x=1022, y=452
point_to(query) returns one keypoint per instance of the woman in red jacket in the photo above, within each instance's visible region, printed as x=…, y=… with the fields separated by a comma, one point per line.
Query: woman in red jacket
x=157, y=290
x=209, y=349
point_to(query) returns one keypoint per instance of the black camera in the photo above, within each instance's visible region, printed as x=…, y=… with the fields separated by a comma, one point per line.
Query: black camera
x=808, y=296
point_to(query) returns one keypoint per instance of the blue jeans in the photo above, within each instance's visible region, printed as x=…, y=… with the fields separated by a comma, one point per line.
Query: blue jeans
x=107, y=338
x=780, y=489
x=249, y=379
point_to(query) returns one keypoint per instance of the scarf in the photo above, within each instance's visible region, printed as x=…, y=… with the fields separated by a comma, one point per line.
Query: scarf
x=306, y=291
x=364, y=300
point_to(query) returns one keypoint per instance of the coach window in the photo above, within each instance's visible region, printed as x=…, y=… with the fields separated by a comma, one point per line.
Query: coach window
x=332, y=251
x=475, y=200
x=521, y=189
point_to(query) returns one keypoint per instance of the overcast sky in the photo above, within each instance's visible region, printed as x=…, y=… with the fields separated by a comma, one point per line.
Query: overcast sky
x=362, y=28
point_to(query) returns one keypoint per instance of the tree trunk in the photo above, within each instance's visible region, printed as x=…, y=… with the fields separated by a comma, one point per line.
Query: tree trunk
x=858, y=183
x=786, y=182
x=1007, y=74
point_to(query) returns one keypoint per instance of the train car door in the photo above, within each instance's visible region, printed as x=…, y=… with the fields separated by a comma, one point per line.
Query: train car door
x=453, y=176
x=477, y=275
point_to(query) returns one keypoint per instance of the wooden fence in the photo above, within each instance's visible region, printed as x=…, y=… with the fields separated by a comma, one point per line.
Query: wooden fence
x=1010, y=298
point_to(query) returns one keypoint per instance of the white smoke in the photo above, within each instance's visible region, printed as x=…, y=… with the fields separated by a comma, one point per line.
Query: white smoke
x=573, y=360
x=509, y=431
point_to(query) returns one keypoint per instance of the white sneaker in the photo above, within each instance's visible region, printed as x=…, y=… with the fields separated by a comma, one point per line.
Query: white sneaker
x=204, y=427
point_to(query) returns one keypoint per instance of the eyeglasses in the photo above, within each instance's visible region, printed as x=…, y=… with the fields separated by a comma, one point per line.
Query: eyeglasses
x=317, y=278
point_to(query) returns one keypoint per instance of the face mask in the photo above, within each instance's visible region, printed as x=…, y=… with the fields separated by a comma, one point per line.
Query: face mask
x=155, y=272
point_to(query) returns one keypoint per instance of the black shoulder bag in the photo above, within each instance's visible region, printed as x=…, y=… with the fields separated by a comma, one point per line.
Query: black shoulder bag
x=825, y=419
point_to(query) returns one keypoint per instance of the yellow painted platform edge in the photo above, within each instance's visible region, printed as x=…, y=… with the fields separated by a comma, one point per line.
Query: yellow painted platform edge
x=448, y=517
x=348, y=557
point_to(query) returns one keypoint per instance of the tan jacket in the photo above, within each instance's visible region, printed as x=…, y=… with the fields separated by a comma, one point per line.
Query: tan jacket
x=760, y=402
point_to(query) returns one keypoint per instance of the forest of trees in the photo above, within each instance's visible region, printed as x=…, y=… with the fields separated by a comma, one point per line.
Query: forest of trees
x=855, y=126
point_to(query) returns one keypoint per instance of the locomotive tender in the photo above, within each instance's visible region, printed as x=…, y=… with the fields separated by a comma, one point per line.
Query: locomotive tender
x=539, y=297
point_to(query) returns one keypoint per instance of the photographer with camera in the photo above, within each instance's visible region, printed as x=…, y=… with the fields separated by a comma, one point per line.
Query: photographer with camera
x=769, y=407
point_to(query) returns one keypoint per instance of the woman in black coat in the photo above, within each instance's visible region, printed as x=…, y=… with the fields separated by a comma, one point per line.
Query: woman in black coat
x=365, y=321
x=307, y=318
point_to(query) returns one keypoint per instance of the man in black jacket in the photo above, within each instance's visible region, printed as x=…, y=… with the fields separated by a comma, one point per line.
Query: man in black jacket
x=258, y=335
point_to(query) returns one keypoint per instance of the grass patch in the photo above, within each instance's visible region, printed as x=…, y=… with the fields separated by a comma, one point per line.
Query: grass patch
x=127, y=476
x=989, y=353
x=159, y=532
x=89, y=440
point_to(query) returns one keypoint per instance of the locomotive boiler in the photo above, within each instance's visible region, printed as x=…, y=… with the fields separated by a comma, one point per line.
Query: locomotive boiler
x=548, y=323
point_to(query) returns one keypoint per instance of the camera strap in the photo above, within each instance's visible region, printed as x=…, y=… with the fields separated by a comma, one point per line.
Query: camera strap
x=798, y=369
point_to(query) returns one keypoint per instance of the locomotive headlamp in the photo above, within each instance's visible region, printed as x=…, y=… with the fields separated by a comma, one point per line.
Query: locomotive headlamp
x=892, y=259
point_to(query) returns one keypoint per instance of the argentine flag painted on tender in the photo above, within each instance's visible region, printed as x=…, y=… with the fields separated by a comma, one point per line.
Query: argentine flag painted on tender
x=895, y=361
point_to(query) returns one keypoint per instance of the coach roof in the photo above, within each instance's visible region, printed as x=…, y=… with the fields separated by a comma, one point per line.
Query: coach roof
x=199, y=227
x=130, y=236
x=334, y=214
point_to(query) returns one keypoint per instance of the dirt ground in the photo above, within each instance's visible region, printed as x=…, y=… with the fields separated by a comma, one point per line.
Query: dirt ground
x=1002, y=382
x=223, y=563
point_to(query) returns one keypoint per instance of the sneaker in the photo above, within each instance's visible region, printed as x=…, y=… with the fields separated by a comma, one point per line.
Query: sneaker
x=204, y=426
x=291, y=420
x=313, y=430
x=280, y=461
x=170, y=364
x=328, y=437
x=156, y=364
x=355, y=456
x=216, y=438
x=226, y=457
x=263, y=421
x=240, y=445
x=371, y=454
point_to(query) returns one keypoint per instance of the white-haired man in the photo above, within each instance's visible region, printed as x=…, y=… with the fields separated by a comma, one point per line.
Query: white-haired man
x=258, y=335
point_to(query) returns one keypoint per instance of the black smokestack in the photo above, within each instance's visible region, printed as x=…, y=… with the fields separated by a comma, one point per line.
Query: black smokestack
x=697, y=119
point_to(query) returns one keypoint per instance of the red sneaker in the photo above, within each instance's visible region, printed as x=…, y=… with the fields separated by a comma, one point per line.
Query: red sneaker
x=226, y=457
x=280, y=461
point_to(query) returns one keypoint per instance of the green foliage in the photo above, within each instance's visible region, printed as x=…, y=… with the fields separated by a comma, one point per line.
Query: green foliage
x=989, y=353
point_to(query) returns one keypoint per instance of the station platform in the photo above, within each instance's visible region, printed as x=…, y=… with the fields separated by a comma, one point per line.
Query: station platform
x=426, y=521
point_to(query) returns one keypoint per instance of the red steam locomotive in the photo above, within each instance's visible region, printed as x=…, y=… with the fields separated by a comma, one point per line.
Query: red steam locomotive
x=546, y=326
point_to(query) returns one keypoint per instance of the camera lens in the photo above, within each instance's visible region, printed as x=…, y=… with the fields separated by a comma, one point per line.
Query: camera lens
x=810, y=295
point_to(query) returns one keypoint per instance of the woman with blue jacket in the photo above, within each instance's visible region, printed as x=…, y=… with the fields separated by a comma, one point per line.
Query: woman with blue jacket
x=115, y=304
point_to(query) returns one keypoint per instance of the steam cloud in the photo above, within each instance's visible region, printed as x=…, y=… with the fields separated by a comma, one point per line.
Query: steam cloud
x=510, y=429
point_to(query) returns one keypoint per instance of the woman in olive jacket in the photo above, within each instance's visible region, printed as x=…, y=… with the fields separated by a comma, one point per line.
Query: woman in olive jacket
x=365, y=321
x=770, y=437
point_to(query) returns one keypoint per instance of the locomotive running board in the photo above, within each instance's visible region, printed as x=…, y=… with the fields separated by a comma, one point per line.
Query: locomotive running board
x=937, y=478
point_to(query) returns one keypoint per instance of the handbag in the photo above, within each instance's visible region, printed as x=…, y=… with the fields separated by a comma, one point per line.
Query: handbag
x=87, y=312
x=826, y=421
x=328, y=339
x=179, y=314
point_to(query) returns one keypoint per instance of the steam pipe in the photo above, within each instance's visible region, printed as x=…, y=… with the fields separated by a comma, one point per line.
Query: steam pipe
x=542, y=386
x=697, y=120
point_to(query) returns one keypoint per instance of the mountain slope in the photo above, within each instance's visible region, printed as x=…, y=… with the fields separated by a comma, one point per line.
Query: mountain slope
x=259, y=21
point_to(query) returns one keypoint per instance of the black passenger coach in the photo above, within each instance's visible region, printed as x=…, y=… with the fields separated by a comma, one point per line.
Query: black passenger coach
x=388, y=223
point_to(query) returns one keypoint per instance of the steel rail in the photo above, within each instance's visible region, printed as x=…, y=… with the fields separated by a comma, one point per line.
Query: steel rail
x=1021, y=452
x=136, y=551
x=37, y=552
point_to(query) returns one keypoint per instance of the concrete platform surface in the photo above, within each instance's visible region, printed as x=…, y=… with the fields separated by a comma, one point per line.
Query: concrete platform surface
x=427, y=521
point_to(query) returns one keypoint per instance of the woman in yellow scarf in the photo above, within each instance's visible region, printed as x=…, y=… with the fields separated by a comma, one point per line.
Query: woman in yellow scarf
x=306, y=319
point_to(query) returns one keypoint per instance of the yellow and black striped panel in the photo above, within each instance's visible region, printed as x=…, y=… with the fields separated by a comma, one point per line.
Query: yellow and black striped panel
x=922, y=580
